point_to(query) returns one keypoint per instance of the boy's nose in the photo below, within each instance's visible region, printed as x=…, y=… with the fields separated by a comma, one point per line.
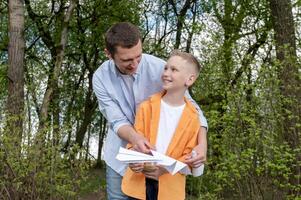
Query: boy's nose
x=166, y=72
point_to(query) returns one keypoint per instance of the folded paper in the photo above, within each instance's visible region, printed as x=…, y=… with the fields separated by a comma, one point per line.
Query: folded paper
x=173, y=166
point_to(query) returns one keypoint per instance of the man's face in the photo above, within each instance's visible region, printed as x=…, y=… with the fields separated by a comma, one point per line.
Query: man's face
x=128, y=59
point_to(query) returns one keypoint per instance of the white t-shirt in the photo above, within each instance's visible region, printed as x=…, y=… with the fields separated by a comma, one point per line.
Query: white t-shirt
x=169, y=118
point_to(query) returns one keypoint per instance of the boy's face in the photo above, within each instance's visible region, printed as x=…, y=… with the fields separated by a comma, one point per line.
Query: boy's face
x=127, y=59
x=177, y=74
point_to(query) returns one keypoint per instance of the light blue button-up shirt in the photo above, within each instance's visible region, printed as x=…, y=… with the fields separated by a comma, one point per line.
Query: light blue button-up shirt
x=118, y=100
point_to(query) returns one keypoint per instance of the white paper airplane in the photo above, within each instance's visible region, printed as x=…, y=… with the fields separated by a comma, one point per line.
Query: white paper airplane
x=170, y=164
x=129, y=156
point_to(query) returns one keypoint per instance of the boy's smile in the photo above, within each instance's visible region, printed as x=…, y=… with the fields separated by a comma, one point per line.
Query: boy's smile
x=175, y=74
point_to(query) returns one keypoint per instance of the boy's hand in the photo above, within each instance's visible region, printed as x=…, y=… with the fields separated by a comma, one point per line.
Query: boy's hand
x=199, y=159
x=136, y=167
x=156, y=173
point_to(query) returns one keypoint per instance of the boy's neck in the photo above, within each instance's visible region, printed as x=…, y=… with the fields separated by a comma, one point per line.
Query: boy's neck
x=174, y=98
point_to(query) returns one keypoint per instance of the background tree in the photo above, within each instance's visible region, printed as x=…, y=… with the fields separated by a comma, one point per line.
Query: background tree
x=248, y=89
x=15, y=99
x=289, y=75
x=16, y=45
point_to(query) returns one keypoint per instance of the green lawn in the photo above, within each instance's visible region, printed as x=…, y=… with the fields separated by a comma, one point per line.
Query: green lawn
x=94, y=184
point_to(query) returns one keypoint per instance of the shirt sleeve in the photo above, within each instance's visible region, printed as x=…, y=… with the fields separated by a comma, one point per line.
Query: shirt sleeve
x=109, y=107
x=202, y=118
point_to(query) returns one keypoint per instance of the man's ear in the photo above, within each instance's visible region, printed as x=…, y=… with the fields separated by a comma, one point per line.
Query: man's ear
x=108, y=54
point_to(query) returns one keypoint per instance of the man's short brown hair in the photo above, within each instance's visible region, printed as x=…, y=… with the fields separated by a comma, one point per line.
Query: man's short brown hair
x=122, y=34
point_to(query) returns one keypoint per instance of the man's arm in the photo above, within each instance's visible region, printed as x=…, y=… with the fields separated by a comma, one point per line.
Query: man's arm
x=202, y=118
x=117, y=120
x=140, y=143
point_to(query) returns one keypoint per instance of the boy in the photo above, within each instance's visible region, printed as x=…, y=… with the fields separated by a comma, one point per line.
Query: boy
x=170, y=122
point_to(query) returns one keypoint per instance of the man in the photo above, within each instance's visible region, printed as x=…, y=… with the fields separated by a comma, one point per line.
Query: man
x=121, y=84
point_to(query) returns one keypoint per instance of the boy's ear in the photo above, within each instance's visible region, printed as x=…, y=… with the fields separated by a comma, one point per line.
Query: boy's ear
x=190, y=80
x=108, y=54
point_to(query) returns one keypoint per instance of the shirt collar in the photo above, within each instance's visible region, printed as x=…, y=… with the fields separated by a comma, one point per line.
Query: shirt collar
x=158, y=96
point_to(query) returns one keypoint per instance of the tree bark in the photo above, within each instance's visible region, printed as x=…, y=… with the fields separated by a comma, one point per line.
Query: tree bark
x=15, y=101
x=102, y=133
x=180, y=19
x=192, y=31
x=283, y=24
x=90, y=107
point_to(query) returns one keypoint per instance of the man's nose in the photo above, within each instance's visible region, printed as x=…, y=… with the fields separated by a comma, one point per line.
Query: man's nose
x=135, y=63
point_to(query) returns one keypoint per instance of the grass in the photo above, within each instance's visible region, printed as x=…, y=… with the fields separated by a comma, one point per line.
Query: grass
x=94, y=183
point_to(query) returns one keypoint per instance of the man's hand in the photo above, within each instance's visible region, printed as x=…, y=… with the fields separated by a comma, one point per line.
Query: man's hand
x=136, y=167
x=200, y=157
x=140, y=143
x=155, y=174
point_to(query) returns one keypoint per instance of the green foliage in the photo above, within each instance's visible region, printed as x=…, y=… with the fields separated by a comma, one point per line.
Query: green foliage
x=248, y=157
x=3, y=30
x=3, y=81
x=39, y=172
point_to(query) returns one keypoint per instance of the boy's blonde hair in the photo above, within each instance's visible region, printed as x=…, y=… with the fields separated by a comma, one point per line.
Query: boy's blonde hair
x=189, y=58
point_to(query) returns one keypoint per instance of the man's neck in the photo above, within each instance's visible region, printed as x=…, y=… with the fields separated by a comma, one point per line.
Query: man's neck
x=122, y=73
x=174, y=98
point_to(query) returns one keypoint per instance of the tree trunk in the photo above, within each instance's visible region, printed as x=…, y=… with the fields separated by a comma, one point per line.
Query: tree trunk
x=102, y=133
x=283, y=24
x=56, y=136
x=90, y=106
x=180, y=19
x=15, y=101
x=88, y=144
x=191, y=32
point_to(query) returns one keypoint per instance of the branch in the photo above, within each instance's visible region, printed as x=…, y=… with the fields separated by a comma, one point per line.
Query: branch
x=250, y=54
x=44, y=33
x=59, y=55
x=33, y=43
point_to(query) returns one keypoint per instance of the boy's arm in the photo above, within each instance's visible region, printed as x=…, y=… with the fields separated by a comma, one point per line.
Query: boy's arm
x=201, y=150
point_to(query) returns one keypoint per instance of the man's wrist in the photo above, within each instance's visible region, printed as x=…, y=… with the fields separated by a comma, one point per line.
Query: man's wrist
x=127, y=133
x=132, y=137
